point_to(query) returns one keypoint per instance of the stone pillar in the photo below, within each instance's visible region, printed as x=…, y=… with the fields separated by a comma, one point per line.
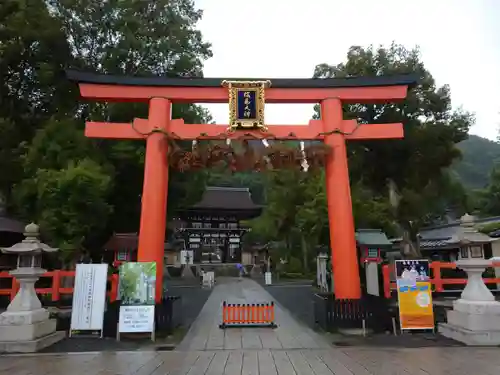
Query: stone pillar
x=372, y=283
x=322, y=282
x=475, y=318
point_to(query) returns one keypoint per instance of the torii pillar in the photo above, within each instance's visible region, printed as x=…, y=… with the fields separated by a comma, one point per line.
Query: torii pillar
x=160, y=93
x=338, y=195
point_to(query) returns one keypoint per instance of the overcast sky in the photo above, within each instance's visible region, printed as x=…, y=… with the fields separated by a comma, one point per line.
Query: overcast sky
x=459, y=41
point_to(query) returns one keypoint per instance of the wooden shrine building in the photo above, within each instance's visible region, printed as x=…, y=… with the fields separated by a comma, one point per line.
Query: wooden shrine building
x=212, y=227
x=210, y=230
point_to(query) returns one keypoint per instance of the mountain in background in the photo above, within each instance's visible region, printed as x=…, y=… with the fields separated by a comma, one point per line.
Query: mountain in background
x=479, y=155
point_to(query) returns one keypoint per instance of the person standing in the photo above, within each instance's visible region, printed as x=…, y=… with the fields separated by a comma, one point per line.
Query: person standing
x=240, y=269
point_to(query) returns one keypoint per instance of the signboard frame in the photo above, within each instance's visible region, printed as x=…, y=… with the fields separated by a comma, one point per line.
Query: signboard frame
x=137, y=284
x=89, y=298
x=414, y=294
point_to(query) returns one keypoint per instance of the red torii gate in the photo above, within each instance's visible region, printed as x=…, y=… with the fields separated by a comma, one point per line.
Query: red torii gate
x=160, y=93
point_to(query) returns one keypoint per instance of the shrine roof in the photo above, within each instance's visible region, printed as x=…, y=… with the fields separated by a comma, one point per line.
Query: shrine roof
x=10, y=225
x=372, y=237
x=128, y=241
x=226, y=198
x=286, y=83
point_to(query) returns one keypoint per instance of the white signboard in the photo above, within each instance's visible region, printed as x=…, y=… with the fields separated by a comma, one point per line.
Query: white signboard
x=136, y=319
x=89, y=297
x=186, y=256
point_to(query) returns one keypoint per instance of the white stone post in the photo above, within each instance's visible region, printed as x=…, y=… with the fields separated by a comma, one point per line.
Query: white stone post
x=321, y=261
x=475, y=318
x=372, y=283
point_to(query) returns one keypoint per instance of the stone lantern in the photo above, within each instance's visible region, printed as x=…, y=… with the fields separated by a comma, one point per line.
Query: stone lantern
x=475, y=318
x=25, y=325
x=469, y=240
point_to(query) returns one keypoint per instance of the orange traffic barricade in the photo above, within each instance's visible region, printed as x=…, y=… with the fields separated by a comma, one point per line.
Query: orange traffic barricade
x=247, y=315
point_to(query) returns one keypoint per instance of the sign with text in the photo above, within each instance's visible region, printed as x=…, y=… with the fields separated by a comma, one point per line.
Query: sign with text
x=136, y=319
x=246, y=104
x=137, y=295
x=89, y=297
x=414, y=294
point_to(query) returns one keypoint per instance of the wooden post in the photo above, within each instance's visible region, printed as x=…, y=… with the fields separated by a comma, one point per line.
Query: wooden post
x=56, y=285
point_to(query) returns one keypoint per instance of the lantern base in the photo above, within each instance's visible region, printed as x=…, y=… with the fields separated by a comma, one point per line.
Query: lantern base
x=16, y=318
x=29, y=338
x=473, y=323
x=31, y=346
x=475, y=318
x=27, y=331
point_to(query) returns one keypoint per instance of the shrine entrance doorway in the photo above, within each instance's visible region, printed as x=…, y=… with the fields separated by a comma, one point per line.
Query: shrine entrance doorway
x=246, y=100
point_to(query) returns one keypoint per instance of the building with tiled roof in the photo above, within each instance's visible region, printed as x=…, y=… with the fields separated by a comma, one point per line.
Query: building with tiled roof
x=209, y=229
x=443, y=242
x=228, y=201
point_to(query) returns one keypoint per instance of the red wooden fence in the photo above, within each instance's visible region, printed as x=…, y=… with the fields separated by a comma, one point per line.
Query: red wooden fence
x=437, y=280
x=56, y=289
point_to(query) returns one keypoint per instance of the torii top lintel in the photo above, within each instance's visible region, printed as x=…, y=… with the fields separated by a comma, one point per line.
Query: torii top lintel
x=104, y=87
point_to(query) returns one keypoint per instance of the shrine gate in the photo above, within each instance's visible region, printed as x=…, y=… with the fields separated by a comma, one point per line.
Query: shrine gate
x=332, y=129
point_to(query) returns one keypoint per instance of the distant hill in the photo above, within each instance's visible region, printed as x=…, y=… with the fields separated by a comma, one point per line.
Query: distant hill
x=479, y=155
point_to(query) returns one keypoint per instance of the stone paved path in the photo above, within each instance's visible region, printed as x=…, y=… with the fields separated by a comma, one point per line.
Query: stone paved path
x=338, y=361
x=291, y=349
x=205, y=333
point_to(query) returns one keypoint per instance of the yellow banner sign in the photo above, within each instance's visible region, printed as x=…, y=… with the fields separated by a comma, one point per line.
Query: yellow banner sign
x=415, y=305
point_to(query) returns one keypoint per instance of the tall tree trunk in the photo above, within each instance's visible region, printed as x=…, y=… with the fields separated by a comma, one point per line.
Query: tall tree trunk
x=305, y=254
x=410, y=244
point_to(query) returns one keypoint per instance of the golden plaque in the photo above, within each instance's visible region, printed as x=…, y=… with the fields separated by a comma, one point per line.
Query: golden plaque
x=246, y=104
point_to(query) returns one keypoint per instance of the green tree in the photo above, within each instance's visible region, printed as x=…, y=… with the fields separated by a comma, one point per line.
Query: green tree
x=489, y=198
x=33, y=54
x=311, y=220
x=69, y=203
x=52, y=150
x=60, y=178
x=415, y=165
x=396, y=185
x=137, y=38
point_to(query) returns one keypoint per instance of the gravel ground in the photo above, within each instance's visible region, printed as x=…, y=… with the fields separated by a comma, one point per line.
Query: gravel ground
x=193, y=299
x=407, y=340
x=297, y=297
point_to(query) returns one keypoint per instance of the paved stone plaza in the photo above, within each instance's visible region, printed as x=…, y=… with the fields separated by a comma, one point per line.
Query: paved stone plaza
x=290, y=349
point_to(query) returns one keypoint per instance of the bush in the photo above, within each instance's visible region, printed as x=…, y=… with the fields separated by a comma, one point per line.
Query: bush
x=294, y=265
x=488, y=228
